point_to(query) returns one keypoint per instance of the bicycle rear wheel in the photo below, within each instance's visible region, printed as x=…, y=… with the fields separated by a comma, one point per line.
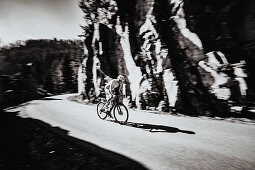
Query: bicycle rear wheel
x=101, y=115
x=120, y=113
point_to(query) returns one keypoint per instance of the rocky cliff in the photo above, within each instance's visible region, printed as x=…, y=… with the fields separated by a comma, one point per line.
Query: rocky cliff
x=194, y=56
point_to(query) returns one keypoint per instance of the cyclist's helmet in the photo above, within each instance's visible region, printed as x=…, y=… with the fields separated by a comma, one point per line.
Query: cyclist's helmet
x=121, y=78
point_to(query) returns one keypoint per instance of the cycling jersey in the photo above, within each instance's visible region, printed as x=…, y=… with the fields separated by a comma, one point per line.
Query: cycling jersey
x=114, y=87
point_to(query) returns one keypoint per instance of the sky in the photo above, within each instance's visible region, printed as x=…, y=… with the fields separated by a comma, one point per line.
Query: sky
x=39, y=19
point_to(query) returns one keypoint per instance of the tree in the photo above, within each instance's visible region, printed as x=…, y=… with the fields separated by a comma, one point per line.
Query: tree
x=95, y=12
x=67, y=74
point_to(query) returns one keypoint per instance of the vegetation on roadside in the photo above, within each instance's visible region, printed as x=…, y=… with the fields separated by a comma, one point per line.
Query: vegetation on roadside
x=38, y=68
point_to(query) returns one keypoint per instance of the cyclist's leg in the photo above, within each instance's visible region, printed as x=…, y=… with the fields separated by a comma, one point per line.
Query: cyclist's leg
x=107, y=97
x=110, y=102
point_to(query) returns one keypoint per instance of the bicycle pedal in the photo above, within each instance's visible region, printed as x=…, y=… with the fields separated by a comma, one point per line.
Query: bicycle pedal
x=109, y=114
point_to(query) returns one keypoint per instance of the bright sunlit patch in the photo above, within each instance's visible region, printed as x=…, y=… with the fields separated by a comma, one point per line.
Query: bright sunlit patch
x=82, y=76
x=240, y=75
x=95, y=59
x=171, y=87
x=135, y=74
x=181, y=23
x=219, y=78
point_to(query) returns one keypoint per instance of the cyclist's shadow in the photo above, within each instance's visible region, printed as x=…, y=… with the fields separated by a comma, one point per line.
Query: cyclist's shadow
x=156, y=128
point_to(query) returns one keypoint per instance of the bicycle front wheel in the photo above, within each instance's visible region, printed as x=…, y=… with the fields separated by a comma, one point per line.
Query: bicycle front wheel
x=101, y=115
x=120, y=113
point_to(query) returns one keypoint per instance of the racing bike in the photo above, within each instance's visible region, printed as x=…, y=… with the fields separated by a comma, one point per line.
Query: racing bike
x=118, y=109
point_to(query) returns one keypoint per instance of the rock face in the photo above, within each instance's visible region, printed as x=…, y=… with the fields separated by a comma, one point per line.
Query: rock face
x=227, y=27
x=195, y=56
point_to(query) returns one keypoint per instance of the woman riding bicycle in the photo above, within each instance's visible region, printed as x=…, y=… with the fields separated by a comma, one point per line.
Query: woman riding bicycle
x=113, y=89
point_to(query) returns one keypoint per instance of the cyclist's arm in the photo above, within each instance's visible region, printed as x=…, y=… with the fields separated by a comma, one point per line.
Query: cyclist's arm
x=121, y=89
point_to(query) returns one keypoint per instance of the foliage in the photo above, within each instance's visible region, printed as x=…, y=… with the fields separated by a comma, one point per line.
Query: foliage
x=38, y=68
x=97, y=11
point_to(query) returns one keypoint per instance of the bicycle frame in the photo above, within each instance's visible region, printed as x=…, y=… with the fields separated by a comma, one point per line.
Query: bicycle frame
x=115, y=101
x=115, y=108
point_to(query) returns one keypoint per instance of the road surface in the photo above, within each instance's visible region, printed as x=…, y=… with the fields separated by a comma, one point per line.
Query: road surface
x=155, y=140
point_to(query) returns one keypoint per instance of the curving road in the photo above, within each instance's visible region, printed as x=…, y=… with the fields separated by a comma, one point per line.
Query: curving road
x=155, y=140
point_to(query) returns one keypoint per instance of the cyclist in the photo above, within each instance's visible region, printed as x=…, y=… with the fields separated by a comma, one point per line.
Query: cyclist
x=113, y=89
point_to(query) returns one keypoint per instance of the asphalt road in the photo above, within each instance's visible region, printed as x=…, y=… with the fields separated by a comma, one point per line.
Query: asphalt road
x=157, y=141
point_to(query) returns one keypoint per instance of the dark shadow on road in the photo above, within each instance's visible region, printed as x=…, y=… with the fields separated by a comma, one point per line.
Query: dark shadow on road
x=32, y=144
x=156, y=128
